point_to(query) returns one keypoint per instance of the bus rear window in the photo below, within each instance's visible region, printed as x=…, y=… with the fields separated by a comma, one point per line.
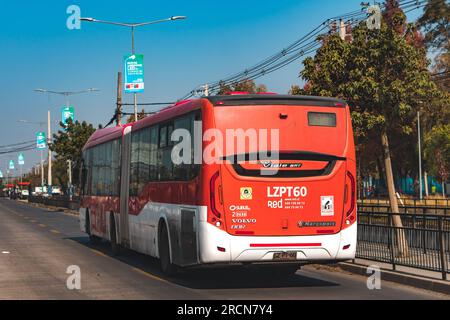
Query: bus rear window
x=322, y=119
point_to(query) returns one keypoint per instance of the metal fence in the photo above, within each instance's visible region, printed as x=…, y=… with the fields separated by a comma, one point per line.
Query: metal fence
x=423, y=241
x=380, y=208
x=402, y=201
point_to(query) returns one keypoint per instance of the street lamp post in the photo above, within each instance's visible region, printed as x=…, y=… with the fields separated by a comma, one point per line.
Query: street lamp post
x=420, y=155
x=133, y=26
x=41, y=124
x=66, y=94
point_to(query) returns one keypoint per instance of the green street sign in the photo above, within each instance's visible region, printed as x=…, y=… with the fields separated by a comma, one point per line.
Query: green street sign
x=21, y=160
x=134, y=73
x=11, y=164
x=41, y=140
x=67, y=113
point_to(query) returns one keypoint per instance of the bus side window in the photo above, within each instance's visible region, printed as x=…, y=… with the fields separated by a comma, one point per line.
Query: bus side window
x=144, y=158
x=134, y=163
x=195, y=167
x=153, y=163
x=181, y=171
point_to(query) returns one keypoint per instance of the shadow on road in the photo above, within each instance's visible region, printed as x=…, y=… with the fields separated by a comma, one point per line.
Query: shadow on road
x=234, y=277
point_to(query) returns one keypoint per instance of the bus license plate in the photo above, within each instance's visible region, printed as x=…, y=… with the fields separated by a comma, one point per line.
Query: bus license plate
x=285, y=256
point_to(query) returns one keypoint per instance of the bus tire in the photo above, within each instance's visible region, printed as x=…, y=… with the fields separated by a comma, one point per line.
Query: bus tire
x=92, y=239
x=167, y=267
x=115, y=247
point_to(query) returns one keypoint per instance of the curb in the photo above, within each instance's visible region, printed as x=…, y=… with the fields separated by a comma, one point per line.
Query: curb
x=435, y=285
x=53, y=208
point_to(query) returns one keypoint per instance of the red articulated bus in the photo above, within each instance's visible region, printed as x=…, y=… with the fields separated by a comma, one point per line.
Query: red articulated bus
x=286, y=194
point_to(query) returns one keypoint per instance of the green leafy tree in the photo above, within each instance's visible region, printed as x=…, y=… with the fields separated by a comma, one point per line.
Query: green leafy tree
x=437, y=151
x=435, y=22
x=141, y=115
x=245, y=85
x=383, y=75
x=68, y=144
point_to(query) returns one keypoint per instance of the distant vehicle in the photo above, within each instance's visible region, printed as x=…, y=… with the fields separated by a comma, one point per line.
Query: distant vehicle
x=24, y=194
x=234, y=211
x=56, y=191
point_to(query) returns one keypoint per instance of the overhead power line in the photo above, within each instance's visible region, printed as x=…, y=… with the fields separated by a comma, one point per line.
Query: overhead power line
x=16, y=144
x=307, y=44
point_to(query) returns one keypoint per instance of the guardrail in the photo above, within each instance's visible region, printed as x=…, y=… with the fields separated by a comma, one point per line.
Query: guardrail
x=422, y=242
x=60, y=201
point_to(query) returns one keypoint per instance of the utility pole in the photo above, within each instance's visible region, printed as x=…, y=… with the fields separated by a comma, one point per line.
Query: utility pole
x=49, y=140
x=42, y=171
x=420, y=155
x=342, y=31
x=119, y=99
x=69, y=171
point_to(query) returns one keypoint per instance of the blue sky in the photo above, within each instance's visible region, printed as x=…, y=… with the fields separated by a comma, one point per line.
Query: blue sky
x=219, y=38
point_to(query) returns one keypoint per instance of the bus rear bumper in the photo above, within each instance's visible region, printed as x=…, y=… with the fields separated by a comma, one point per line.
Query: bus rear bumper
x=217, y=246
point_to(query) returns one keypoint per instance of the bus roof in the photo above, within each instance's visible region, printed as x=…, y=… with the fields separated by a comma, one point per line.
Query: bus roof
x=104, y=135
x=169, y=112
x=275, y=99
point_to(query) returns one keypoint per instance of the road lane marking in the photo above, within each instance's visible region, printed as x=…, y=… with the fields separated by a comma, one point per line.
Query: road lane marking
x=5, y=252
x=149, y=275
x=42, y=225
x=34, y=221
x=55, y=231
x=100, y=253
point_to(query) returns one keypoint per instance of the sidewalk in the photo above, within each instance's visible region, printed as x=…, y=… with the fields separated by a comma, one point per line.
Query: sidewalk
x=424, y=279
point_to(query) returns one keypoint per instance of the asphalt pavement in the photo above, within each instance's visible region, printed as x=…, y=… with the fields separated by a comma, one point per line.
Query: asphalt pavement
x=37, y=246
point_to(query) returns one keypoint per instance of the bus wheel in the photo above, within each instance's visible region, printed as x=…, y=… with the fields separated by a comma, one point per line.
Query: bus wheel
x=115, y=248
x=93, y=239
x=167, y=267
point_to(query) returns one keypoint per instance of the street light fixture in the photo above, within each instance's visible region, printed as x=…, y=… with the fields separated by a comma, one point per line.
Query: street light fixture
x=133, y=26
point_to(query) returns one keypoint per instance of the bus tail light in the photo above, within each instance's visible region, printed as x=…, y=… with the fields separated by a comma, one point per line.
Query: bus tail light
x=350, y=200
x=212, y=192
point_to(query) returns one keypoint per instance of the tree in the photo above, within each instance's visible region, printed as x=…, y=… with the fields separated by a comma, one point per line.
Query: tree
x=68, y=144
x=245, y=86
x=383, y=76
x=437, y=151
x=435, y=22
x=141, y=115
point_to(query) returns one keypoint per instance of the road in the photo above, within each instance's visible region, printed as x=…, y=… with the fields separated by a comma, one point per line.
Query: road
x=37, y=245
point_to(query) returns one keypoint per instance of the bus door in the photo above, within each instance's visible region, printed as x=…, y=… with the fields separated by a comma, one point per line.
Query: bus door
x=124, y=230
